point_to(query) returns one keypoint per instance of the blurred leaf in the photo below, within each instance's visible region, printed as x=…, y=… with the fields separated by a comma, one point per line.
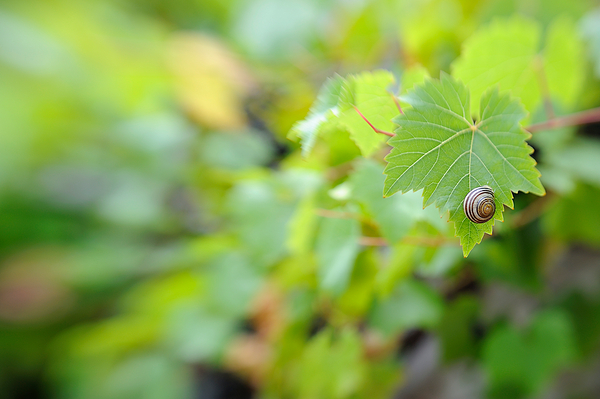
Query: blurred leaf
x=431, y=31
x=413, y=75
x=399, y=268
x=260, y=218
x=435, y=136
x=506, y=53
x=357, y=297
x=270, y=29
x=114, y=337
x=336, y=103
x=146, y=376
x=337, y=247
x=502, y=53
x=27, y=48
x=580, y=159
x=210, y=80
x=411, y=305
x=325, y=108
x=563, y=61
x=156, y=298
x=236, y=150
x=590, y=28
x=576, y=216
x=195, y=335
x=395, y=215
x=302, y=227
x=585, y=315
x=232, y=282
x=443, y=260
x=369, y=93
x=519, y=364
x=331, y=366
x=457, y=329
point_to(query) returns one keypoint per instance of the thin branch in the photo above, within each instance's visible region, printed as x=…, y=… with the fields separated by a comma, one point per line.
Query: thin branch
x=373, y=127
x=417, y=241
x=580, y=118
x=397, y=103
x=430, y=241
x=326, y=213
x=373, y=241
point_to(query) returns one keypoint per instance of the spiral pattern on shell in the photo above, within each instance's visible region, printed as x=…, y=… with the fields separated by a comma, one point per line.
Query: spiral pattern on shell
x=479, y=204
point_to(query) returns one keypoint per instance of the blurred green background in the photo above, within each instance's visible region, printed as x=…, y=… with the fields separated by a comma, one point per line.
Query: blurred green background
x=162, y=237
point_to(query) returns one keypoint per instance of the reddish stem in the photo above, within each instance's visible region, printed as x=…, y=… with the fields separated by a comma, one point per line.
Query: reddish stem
x=326, y=213
x=397, y=103
x=417, y=241
x=580, y=118
x=373, y=127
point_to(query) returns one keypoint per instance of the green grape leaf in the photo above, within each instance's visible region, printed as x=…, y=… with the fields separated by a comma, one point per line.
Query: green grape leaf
x=321, y=114
x=369, y=93
x=439, y=149
x=335, y=110
x=507, y=53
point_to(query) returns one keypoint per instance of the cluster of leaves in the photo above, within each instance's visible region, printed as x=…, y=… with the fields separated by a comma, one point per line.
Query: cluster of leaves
x=458, y=135
x=162, y=236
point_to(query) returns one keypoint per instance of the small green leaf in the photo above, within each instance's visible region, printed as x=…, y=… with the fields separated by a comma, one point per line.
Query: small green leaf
x=321, y=113
x=369, y=93
x=439, y=149
x=336, y=110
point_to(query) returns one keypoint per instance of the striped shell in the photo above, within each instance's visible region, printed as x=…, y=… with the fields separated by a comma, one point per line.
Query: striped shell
x=479, y=204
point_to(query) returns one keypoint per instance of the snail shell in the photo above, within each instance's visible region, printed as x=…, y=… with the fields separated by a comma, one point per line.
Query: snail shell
x=479, y=204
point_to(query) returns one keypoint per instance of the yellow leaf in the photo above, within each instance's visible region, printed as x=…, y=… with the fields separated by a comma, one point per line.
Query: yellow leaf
x=210, y=81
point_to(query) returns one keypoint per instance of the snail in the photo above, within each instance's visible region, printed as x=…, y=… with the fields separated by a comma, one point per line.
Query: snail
x=479, y=204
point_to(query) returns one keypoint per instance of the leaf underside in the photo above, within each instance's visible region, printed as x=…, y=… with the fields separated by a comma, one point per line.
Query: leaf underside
x=335, y=107
x=320, y=114
x=439, y=149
